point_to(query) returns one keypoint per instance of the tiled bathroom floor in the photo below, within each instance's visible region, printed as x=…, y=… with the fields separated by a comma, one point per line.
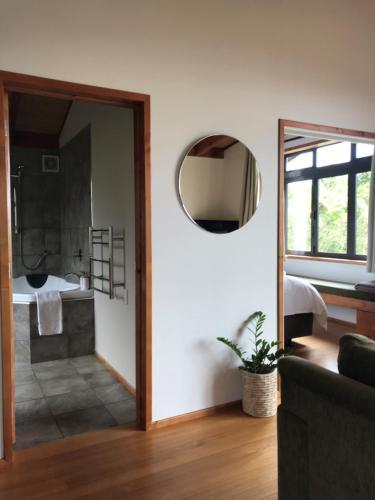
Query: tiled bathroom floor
x=56, y=399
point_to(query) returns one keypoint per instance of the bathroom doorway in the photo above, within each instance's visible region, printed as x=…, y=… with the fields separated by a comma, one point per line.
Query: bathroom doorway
x=76, y=157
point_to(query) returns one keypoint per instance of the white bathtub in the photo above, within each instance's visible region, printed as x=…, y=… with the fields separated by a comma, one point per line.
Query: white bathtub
x=24, y=293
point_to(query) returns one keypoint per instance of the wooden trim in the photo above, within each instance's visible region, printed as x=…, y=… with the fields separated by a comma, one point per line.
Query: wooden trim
x=350, y=302
x=130, y=388
x=27, y=84
x=325, y=259
x=281, y=205
x=281, y=238
x=34, y=140
x=327, y=128
x=342, y=322
x=306, y=147
x=6, y=300
x=193, y=415
x=140, y=103
x=142, y=140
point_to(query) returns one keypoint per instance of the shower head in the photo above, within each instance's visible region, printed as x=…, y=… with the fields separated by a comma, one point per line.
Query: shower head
x=19, y=171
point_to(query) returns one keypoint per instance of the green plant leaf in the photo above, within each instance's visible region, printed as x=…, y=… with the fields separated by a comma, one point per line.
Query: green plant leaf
x=264, y=355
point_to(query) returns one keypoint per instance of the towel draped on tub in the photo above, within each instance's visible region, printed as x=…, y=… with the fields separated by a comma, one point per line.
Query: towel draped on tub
x=49, y=306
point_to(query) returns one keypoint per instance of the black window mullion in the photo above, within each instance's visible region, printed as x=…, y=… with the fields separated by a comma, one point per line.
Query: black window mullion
x=314, y=208
x=351, y=213
x=314, y=216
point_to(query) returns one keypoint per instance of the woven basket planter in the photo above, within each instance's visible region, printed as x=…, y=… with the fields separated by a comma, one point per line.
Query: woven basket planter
x=259, y=393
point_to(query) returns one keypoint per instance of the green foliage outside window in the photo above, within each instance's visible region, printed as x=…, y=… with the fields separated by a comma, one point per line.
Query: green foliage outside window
x=333, y=214
x=361, y=216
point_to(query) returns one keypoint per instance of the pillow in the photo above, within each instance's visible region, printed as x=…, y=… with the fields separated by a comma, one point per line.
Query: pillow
x=357, y=358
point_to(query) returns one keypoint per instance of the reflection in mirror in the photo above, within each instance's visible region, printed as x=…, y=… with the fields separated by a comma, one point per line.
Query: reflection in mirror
x=219, y=184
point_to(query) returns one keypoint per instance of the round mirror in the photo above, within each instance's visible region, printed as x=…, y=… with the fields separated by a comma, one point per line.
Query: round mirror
x=219, y=184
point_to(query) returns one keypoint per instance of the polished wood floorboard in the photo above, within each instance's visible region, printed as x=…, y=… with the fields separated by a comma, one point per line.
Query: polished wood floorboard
x=220, y=457
x=322, y=348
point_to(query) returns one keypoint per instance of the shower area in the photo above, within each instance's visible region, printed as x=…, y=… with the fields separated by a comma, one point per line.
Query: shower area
x=51, y=200
x=62, y=387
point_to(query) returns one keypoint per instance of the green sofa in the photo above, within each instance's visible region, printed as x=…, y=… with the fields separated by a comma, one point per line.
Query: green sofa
x=326, y=426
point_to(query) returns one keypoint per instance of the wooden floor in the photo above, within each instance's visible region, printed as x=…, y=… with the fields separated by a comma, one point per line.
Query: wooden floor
x=322, y=348
x=225, y=456
x=221, y=457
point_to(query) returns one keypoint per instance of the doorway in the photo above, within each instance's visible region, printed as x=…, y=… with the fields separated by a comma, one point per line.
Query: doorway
x=323, y=196
x=22, y=85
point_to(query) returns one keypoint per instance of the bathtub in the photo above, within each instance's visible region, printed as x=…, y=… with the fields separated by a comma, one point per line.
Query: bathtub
x=24, y=293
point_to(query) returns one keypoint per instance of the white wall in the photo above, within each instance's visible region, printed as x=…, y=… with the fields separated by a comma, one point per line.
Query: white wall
x=210, y=67
x=211, y=188
x=112, y=165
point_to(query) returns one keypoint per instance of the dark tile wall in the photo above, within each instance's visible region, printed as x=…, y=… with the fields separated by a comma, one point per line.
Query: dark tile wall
x=77, y=339
x=76, y=203
x=55, y=207
x=41, y=196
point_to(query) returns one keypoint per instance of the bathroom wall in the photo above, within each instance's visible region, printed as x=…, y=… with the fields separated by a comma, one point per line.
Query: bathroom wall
x=112, y=166
x=210, y=67
x=41, y=198
x=55, y=208
x=75, y=157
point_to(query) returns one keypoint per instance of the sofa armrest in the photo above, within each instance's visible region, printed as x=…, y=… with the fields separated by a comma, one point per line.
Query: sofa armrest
x=337, y=389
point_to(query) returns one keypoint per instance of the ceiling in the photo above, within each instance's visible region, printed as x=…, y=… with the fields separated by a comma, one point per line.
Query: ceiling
x=36, y=121
x=212, y=147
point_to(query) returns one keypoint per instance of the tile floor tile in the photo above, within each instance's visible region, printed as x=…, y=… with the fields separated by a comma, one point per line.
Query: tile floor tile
x=123, y=412
x=88, y=420
x=37, y=431
x=112, y=393
x=87, y=362
x=73, y=401
x=24, y=376
x=30, y=390
x=57, y=386
x=44, y=373
x=98, y=379
x=35, y=408
x=90, y=368
x=57, y=363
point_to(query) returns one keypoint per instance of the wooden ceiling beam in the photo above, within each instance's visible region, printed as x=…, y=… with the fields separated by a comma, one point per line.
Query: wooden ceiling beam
x=34, y=140
x=212, y=147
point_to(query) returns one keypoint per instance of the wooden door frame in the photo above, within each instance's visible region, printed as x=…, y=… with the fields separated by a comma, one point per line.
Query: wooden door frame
x=140, y=103
x=281, y=202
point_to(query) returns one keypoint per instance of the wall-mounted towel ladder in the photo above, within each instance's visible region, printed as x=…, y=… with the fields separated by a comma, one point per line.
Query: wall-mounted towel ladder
x=105, y=242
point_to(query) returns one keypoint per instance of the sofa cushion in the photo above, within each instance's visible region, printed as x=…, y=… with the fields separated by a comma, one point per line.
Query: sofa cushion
x=357, y=358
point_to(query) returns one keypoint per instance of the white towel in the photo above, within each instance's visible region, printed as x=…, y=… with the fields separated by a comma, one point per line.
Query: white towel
x=49, y=312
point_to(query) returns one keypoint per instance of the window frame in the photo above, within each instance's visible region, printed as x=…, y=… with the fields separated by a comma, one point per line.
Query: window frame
x=351, y=168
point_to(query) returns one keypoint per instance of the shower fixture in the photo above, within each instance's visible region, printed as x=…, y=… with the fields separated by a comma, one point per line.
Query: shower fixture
x=17, y=214
x=16, y=195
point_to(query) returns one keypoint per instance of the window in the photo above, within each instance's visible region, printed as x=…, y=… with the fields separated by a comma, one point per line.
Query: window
x=333, y=154
x=363, y=150
x=296, y=162
x=327, y=195
x=299, y=212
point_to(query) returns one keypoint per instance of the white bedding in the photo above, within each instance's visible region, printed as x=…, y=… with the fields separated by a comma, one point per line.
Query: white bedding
x=301, y=297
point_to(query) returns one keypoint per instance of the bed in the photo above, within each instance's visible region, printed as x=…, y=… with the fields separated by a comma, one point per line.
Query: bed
x=303, y=306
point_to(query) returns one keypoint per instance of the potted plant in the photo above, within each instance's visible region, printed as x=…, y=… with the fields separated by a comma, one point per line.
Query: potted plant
x=259, y=374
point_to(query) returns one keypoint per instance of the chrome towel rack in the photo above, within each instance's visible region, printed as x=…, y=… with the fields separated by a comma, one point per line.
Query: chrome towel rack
x=104, y=242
